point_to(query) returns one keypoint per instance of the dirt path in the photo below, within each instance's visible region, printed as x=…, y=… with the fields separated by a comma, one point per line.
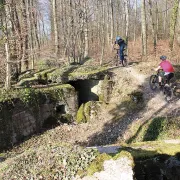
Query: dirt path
x=156, y=105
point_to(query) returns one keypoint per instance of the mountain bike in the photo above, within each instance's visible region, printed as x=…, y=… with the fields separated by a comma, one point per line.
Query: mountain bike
x=117, y=59
x=168, y=88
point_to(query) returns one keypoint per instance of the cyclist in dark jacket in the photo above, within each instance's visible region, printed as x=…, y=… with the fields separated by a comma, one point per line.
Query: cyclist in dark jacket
x=122, y=46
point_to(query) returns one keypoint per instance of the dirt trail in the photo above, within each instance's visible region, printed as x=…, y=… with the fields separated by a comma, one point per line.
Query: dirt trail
x=156, y=103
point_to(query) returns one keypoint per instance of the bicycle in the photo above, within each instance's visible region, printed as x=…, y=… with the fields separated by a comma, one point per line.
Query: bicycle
x=117, y=59
x=168, y=88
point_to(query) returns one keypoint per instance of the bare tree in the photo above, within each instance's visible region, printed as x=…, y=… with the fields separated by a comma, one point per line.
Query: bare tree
x=56, y=36
x=153, y=24
x=144, y=35
x=178, y=26
x=112, y=19
x=127, y=19
x=135, y=20
x=173, y=23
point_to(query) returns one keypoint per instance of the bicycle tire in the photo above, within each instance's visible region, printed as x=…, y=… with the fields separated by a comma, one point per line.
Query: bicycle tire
x=124, y=62
x=153, y=82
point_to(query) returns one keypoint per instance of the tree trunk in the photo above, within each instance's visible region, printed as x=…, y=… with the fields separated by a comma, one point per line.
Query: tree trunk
x=157, y=20
x=153, y=25
x=56, y=38
x=135, y=19
x=86, y=48
x=178, y=26
x=173, y=23
x=103, y=35
x=127, y=20
x=165, y=19
x=25, y=63
x=112, y=20
x=143, y=24
x=8, y=68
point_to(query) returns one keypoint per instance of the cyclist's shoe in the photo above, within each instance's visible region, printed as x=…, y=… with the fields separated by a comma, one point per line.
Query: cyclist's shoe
x=120, y=62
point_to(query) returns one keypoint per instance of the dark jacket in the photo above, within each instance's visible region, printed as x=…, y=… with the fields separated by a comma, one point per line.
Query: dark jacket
x=121, y=42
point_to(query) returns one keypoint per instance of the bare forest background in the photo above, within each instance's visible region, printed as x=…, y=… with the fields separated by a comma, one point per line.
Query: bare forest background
x=69, y=31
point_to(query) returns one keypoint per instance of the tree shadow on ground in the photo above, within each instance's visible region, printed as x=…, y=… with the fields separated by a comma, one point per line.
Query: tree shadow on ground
x=123, y=116
x=156, y=127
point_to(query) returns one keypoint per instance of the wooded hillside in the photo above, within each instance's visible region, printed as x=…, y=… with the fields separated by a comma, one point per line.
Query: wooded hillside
x=65, y=31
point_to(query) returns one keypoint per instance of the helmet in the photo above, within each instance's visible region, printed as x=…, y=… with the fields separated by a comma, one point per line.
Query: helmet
x=118, y=38
x=163, y=58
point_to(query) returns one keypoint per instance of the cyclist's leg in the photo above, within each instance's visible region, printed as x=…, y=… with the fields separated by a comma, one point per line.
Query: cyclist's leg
x=169, y=77
x=121, y=53
x=161, y=78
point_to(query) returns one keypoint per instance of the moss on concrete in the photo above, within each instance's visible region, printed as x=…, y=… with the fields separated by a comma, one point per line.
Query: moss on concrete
x=143, y=150
x=29, y=99
x=80, y=118
x=87, y=110
x=87, y=72
x=33, y=78
x=84, y=112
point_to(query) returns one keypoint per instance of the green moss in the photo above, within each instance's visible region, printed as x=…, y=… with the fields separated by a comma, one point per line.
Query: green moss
x=28, y=81
x=153, y=148
x=97, y=164
x=123, y=154
x=60, y=75
x=25, y=75
x=80, y=118
x=59, y=92
x=87, y=110
x=104, y=94
x=33, y=78
x=87, y=71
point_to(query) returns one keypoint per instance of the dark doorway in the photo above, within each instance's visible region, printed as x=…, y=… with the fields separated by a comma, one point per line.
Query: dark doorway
x=83, y=87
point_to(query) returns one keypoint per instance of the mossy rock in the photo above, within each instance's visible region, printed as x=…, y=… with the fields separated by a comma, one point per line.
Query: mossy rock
x=84, y=112
x=34, y=78
x=87, y=110
x=88, y=72
x=80, y=118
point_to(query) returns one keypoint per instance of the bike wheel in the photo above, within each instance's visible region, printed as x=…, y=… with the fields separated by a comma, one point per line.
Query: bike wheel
x=124, y=62
x=153, y=82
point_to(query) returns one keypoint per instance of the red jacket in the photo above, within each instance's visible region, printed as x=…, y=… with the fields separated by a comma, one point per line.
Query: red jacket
x=166, y=66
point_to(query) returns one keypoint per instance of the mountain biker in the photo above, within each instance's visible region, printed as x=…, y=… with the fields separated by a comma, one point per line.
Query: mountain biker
x=167, y=70
x=122, y=46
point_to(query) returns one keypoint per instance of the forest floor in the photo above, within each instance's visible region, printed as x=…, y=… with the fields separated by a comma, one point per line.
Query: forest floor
x=115, y=119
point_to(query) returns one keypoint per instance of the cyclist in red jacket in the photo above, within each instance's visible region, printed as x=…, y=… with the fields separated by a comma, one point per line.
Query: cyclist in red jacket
x=167, y=70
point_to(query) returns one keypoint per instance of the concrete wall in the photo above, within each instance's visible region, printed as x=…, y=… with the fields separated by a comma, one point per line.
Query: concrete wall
x=18, y=120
